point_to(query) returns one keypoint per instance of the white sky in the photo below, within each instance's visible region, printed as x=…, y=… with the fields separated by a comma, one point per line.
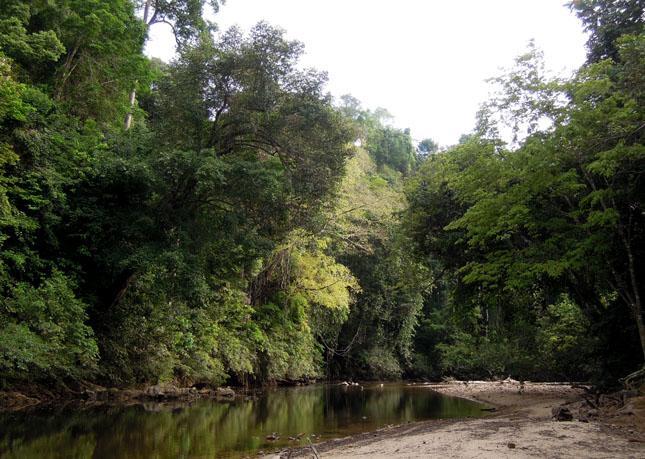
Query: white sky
x=425, y=61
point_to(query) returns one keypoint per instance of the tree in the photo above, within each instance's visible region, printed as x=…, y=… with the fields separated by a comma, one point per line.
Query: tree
x=559, y=214
x=606, y=21
x=374, y=340
x=185, y=18
x=86, y=55
x=427, y=147
x=244, y=149
x=44, y=336
x=245, y=96
x=392, y=147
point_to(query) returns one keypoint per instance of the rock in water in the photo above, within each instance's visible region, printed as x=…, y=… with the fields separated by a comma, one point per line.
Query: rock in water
x=225, y=392
x=155, y=391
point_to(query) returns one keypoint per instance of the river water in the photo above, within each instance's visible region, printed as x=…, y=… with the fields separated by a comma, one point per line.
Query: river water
x=209, y=429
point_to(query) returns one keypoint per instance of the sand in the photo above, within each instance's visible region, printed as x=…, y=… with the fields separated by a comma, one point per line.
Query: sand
x=521, y=427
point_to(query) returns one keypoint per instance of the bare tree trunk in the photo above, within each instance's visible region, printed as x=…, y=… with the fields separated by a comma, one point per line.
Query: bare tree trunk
x=133, y=94
x=636, y=304
x=638, y=312
x=122, y=288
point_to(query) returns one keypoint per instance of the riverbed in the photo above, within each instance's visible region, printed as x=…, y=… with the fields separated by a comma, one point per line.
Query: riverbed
x=276, y=419
x=521, y=427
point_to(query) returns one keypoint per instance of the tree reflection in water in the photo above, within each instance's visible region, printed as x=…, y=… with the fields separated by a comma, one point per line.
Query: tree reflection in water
x=211, y=429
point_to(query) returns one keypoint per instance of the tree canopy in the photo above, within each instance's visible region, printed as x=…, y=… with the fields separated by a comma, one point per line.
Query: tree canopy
x=245, y=227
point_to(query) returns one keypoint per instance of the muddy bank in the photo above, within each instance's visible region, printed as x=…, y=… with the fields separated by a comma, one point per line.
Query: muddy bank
x=521, y=425
x=14, y=401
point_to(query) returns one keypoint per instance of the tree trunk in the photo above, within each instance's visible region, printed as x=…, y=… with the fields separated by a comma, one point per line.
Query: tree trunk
x=133, y=94
x=626, y=239
x=636, y=304
x=638, y=312
x=121, y=288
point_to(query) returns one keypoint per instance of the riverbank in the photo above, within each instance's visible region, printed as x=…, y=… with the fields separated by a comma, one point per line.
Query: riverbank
x=521, y=425
x=96, y=395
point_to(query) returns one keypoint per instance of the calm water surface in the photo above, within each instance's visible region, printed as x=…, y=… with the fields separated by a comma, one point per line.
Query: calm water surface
x=208, y=429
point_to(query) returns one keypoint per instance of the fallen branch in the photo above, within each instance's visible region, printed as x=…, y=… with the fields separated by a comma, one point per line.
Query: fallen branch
x=313, y=448
x=634, y=380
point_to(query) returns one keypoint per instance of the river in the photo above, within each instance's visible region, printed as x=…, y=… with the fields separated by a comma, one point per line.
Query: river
x=208, y=429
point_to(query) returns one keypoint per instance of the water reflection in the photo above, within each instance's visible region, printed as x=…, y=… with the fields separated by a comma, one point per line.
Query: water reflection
x=211, y=429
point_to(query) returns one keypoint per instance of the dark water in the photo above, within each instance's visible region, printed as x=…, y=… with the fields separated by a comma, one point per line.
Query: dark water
x=208, y=429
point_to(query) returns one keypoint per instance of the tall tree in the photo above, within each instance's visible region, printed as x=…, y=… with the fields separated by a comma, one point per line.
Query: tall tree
x=606, y=21
x=185, y=18
x=427, y=147
x=98, y=46
x=561, y=211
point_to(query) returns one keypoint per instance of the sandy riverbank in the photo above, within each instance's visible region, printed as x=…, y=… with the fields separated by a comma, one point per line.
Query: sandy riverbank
x=521, y=427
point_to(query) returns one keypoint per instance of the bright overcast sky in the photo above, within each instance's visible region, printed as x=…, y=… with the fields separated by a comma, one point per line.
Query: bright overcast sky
x=425, y=61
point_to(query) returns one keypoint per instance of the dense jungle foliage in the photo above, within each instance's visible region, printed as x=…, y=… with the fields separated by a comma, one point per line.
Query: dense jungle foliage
x=221, y=219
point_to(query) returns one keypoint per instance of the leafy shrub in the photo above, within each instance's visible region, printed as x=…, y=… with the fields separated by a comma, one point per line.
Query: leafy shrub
x=43, y=333
x=381, y=363
x=564, y=340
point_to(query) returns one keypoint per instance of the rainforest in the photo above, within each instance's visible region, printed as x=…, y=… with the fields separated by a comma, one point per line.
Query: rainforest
x=221, y=219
